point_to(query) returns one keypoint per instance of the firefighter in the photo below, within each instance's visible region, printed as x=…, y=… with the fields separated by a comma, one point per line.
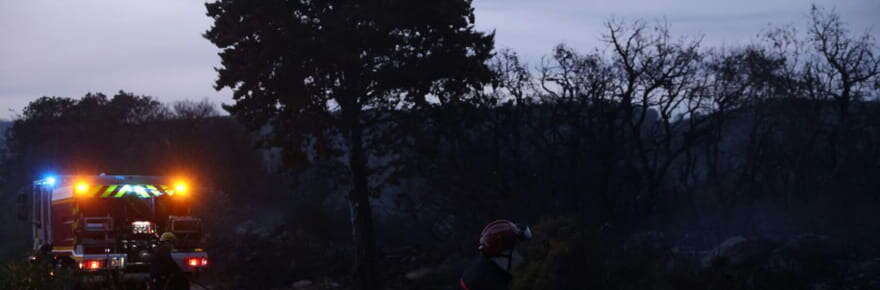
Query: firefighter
x=492, y=269
x=44, y=259
x=44, y=255
x=166, y=274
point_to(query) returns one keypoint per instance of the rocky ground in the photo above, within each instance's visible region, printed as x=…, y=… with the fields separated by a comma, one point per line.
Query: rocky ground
x=814, y=261
x=680, y=261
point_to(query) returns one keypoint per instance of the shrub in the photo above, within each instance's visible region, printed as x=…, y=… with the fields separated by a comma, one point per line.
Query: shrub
x=34, y=276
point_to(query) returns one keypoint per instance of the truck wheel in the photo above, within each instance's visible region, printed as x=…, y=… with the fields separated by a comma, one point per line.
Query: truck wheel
x=73, y=286
x=147, y=285
x=182, y=283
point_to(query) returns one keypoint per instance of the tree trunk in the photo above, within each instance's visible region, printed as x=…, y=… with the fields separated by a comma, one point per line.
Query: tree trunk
x=365, y=256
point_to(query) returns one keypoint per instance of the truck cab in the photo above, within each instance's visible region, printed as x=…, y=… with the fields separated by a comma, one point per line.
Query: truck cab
x=107, y=226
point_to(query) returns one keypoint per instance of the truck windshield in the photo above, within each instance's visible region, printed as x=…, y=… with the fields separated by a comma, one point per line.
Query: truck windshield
x=118, y=208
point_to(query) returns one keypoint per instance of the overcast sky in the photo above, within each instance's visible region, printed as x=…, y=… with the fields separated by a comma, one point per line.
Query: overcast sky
x=69, y=48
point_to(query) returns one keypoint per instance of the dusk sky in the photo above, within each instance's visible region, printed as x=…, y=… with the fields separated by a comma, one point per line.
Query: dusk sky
x=69, y=48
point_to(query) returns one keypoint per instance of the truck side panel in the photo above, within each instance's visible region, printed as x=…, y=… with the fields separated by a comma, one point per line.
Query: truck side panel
x=62, y=221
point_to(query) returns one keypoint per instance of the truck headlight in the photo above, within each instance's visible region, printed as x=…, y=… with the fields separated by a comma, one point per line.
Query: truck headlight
x=142, y=227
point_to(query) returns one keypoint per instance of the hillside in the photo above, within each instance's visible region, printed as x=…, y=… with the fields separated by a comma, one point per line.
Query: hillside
x=3, y=126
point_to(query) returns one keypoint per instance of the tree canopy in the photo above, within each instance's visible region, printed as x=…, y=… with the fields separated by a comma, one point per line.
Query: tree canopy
x=290, y=63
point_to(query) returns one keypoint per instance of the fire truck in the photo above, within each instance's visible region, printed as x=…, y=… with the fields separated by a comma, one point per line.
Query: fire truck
x=106, y=227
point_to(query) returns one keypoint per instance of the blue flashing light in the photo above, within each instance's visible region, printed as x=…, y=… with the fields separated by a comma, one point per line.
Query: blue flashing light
x=50, y=180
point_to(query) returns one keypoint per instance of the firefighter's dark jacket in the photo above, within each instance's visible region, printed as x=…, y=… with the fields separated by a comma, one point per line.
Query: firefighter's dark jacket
x=163, y=264
x=484, y=274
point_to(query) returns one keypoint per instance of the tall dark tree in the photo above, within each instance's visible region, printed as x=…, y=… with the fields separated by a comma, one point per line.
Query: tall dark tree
x=310, y=68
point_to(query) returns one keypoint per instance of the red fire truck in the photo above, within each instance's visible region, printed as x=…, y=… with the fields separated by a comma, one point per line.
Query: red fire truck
x=106, y=227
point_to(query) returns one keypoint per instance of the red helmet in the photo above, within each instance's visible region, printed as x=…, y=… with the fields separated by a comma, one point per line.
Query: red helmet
x=502, y=235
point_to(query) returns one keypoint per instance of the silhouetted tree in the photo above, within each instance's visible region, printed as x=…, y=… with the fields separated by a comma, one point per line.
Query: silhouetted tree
x=307, y=68
x=842, y=71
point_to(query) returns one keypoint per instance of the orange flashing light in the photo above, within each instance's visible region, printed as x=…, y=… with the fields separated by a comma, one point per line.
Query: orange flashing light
x=81, y=188
x=180, y=188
